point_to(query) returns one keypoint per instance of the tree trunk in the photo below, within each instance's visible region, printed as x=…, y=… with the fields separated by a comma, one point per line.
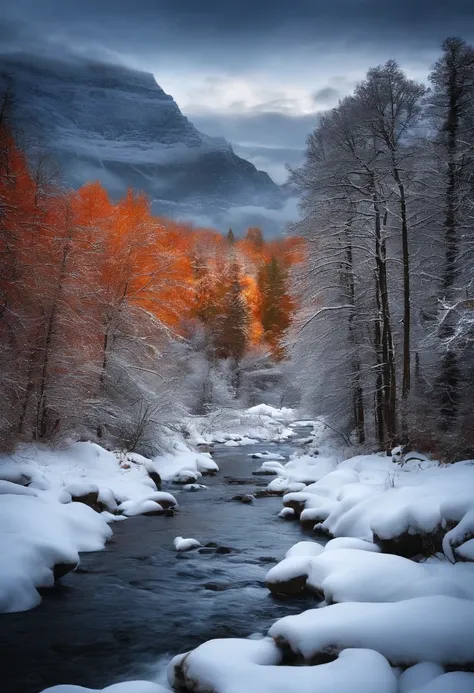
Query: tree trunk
x=357, y=391
x=387, y=365
x=406, y=377
x=449, y=378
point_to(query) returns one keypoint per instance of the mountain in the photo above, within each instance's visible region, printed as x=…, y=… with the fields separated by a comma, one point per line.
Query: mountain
x=115, y=124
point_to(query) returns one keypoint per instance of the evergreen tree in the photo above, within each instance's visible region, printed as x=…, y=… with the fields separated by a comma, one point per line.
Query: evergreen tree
x=232, y=325
x=230, y=237
x=254, y=235
x=276, y=305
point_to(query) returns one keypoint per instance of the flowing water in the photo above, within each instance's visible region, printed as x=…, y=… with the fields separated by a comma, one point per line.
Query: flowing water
x=138, y=602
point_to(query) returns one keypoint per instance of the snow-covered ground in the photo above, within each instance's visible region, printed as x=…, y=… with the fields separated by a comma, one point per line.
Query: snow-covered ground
x=396, y=578
x=236, y=427
x=56, y=503
x=396, y=623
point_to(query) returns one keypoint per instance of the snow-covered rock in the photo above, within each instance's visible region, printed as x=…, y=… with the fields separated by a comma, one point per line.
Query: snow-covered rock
x=182, y=544
x=439, y=629
x=125, y=687
x=233, y=666
x=349, y=574
x=267, y=455
x=38, y=534
x=287, y=514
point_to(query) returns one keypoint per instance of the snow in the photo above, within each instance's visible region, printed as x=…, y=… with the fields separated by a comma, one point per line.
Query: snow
x=233, y=666
x=307, y=469
x=454, y=541
x=268, y=455
x=350, y=543
x=9, y=488
x=435, y=628
x=132, y=508
x=283, y=414
x=419, y=676
x=452, y=682
x=371, y=497
x=350, y=574
x=181, y=544
x=287, y=513
x=236, y=427
x=183, y=463
x=466, y=551
x=305, y=548
x=36, y=534
x=39, y=525
x=124, y=687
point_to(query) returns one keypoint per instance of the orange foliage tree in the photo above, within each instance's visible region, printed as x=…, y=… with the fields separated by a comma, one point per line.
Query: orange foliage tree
x=92, y=293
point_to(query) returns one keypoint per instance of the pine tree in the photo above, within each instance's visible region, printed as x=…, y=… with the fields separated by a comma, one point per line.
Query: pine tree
x=276, y=304
x=232, y=325
x=254, y=235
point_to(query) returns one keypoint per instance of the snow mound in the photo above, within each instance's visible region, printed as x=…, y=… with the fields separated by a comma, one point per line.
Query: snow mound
x=172, y=465
x=260, y=423
x=124, y=687
x=452, y=682
x=181, y=544
x=267, y=455
x=132, y=508
x=283, y=414
x=436, y=628
x=287, y=513
x=304, y=548
x=13, y=489
x=307, y=468
x=233, y=666
x=373, y=498
x=349, y=574
x=36, y=535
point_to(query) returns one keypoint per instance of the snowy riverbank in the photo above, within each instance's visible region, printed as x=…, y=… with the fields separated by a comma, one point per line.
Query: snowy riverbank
x=395, y=580
x=387, y=623
x=58, y=503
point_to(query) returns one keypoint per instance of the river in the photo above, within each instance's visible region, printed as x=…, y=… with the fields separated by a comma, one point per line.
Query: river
x=129, y=608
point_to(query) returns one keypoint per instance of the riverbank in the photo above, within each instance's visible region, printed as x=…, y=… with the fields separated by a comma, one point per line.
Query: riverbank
x=57, y=503
x=395, y=580
x=128, y=606
x=389, y=623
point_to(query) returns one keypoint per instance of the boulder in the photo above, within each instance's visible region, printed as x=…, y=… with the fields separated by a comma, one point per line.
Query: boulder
x=91, y=499
x=294, y=587
x=62, y=569
x=156, y=478
x=244, y=498
x=204, y=447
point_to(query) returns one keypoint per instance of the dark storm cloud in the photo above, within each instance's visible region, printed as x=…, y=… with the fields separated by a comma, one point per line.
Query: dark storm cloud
x=327, y=96
x=276, y=47
x=174, y=25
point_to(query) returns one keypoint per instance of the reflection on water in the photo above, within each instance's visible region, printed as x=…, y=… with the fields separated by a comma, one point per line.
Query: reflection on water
x=130, y=607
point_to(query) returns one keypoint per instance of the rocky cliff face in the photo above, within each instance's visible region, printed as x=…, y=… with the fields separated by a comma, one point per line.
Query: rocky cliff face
x=114, y=124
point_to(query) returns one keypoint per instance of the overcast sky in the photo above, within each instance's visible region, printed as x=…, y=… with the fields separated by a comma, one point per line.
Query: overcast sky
x=255, y=71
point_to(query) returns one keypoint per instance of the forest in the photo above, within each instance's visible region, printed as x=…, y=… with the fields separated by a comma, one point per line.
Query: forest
x=115, y=322
x=383, y=340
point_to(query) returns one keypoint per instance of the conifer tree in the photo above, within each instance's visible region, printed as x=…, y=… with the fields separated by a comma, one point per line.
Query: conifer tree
x=232, y=325
x=276, y=304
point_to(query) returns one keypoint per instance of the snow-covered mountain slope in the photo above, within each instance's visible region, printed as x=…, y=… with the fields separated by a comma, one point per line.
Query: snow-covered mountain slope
x=114, y=124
